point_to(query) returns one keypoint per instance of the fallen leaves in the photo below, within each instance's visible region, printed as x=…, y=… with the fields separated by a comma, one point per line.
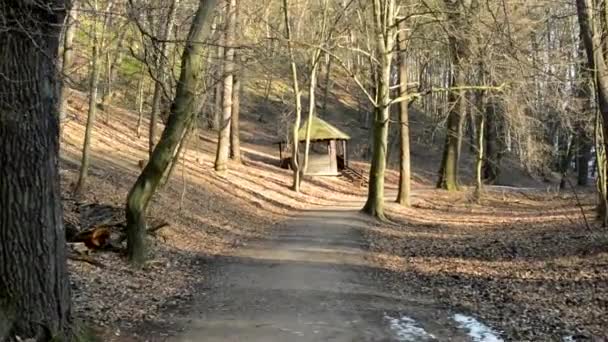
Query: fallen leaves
x=526, y=266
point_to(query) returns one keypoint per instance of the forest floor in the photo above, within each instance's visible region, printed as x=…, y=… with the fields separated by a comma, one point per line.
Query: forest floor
x=523, y=261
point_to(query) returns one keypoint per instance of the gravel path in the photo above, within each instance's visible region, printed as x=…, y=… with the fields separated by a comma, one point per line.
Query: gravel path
x=310, y=281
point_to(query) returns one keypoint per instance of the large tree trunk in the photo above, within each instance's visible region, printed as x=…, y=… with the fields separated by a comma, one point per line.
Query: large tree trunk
x=34, y=287
x=93, y=87
x=597, y=62
x=403, y=195
x=448, y=172
x=183, y=108
x=492, y=142
x=161, y=65
x=384, y=21
x=458, y=17
x=374, y=205
x=68, y=55
x=223, y=142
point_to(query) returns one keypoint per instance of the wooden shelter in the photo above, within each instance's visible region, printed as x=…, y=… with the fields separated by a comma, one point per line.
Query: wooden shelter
x=328, y=154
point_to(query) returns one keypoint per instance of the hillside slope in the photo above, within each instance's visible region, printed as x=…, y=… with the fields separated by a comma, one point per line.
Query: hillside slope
x=208, y=214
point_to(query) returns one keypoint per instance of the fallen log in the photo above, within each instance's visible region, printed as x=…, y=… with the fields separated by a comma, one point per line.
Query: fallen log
x=87, y=259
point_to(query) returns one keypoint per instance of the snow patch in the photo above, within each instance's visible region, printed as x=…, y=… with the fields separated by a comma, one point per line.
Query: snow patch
x=407, y=329
x=478, y=331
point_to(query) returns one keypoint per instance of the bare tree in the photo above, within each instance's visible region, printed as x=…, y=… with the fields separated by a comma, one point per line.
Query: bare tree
x=385, y=29
x=184, y=108
x=403, y=194
x=223, y=143
x=295, y=163
x=97, y=46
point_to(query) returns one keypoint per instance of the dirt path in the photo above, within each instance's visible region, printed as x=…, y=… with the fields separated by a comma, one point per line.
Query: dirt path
x=309, y=282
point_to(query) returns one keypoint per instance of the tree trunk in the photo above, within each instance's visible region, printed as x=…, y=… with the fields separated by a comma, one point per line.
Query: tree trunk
x=68, y=55
x=34, y=286
x=235, y=130
x=384, y=19
x=403, y=195
x=583, y=157
x=480, y=108
x=458, y=17
x=492, y=145
x=597, y=62
x=219, y=87
x=374, y=205
x=448, y=172
x=223, y=142
x=93, y=86
x=448, y=178
x=161, y=77
x=566, y=159
x=480, y=152
x=184, y=107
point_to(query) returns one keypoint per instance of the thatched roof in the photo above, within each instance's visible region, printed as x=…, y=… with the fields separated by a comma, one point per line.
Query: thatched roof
x=321, y=130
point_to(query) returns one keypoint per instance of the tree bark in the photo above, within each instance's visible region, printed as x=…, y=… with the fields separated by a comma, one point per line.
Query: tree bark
x=235, y=122
x=403, y=194
x=183, y=108
x=235, y=130
x=384, y=21
x=161, y=77
x=596, y=62
x=34, y=286
x=219, y=87
x=492, y=142
x=223, y=142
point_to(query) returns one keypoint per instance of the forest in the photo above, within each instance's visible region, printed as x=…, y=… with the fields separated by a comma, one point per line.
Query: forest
x=303, y=170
